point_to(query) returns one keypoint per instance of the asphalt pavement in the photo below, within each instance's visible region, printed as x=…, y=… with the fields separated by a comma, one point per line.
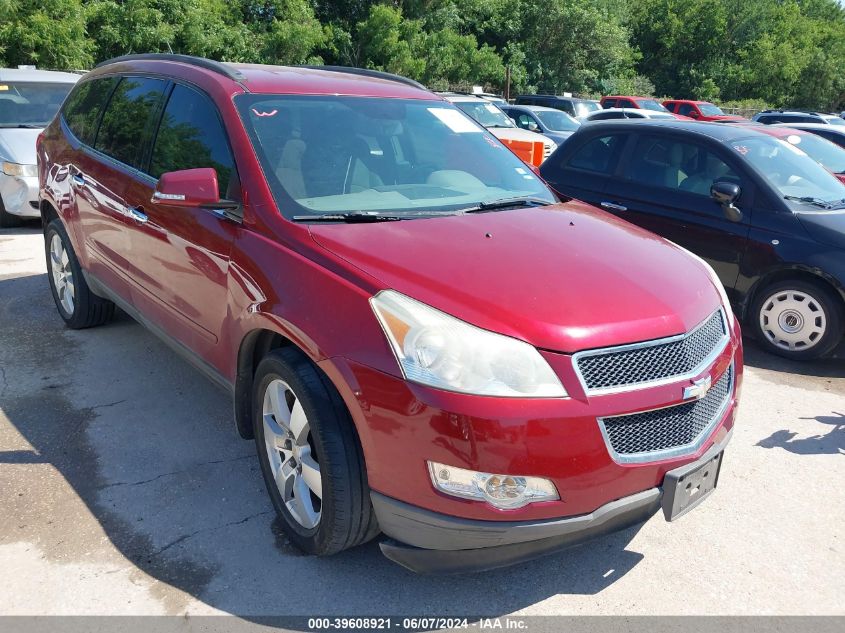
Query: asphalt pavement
x=125, y=489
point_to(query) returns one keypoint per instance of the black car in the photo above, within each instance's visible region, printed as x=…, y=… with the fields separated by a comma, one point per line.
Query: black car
x=573, y=106
x=765, y=216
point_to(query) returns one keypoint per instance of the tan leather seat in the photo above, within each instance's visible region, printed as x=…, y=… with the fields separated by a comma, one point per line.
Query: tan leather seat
x=289, y=171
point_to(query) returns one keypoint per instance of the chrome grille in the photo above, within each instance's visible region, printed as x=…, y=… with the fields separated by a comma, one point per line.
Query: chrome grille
x=626, y=366
x=670, y=431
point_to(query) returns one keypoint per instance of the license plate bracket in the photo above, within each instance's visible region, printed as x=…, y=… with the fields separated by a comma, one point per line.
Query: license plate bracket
x=686, y=487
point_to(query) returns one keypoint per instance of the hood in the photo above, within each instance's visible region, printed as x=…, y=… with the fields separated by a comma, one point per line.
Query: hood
x=558, y=137
x=17, y=145
x=827, y=227
x=516, y=134
x=564, y=278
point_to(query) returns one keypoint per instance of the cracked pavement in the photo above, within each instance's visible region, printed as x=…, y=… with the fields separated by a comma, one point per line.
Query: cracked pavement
x=125, y=489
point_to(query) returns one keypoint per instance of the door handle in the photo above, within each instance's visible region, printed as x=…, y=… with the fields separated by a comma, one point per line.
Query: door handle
x=78, y=180
x=612, y=206
x=137, y=215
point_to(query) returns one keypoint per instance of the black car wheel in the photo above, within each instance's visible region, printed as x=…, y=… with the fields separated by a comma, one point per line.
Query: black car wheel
x=798, y=319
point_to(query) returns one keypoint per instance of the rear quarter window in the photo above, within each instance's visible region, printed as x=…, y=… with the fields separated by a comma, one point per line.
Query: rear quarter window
x=84, y=106
x=598, y=155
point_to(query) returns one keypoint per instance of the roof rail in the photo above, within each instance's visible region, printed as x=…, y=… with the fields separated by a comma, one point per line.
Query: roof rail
x=201, y=62
x=366, y=72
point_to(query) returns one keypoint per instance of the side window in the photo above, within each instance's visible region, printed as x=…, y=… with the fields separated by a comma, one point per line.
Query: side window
x=768, y=119
x=526, y=121
x=84, y=105
x=627, y=103
x=685, y=109
x=671, y=106
x=678, y=165
x=609, y=103
x=599, y=154
x=127, y=119
x=191, y=135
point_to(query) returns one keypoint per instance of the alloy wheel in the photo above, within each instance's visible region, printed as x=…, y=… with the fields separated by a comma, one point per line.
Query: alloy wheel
x=290, y=449
x=793, y=320
x=62, y=273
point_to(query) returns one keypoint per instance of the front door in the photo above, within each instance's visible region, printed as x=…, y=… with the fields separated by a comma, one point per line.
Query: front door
x=182, y=254
x=665, y=188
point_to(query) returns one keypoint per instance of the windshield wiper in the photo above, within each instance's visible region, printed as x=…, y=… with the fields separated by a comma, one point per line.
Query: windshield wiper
x=505, y=203
x=818, y=202
x=349, y=218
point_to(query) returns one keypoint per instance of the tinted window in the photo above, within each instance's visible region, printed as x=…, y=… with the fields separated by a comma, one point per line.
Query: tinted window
x=673, y=164
x=685, y=109
x=190, y=136
x=603, y=116
x=609, y=103
x=127, y=119
x=769, y=119
x=598, y=155
x=839, y=139
x=84, y=105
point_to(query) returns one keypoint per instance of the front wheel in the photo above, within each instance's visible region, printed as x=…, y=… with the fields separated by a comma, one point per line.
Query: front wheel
x=310, y=457
x=798, y=319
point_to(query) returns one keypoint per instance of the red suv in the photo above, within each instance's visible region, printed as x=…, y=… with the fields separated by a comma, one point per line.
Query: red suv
x=421, y=341
x=699, y=110
x=638, y=103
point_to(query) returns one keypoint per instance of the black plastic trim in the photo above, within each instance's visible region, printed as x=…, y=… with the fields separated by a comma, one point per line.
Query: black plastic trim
x=201, y=62
x=366, y=72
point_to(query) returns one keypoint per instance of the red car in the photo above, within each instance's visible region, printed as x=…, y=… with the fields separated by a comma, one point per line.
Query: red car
x=699, y=110
x=641, y=103
x=421, y=341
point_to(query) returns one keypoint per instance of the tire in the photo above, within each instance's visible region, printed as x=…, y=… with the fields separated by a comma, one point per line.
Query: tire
x=7, y=220
x=83, y=309
x=325, y=438
x=797, y=319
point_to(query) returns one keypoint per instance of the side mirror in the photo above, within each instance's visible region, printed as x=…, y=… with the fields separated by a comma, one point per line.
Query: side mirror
x=195, y=188
x=726, y=194
x=693, y=114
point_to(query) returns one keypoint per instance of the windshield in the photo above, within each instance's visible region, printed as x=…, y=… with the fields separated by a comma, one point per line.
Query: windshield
x=486, y=114
x=708, y=109
x=836, y=121
x=25, y=104
x=557, y=121
x=651, y=104
x=792, y=172
x=820, y=150
x=583, y=108
x=330, y=154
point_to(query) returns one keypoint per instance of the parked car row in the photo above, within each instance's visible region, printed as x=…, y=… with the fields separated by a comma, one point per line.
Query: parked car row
x=421, y=339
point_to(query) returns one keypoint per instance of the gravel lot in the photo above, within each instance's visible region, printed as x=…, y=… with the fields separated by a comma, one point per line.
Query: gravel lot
x=125, y=489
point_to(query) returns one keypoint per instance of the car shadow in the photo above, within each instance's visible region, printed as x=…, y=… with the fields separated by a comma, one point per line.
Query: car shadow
x=830, y=443
x=149, y=447
x=831, y=367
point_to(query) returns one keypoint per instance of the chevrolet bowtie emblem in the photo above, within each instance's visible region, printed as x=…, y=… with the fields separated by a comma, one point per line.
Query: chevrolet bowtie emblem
x=698, y=388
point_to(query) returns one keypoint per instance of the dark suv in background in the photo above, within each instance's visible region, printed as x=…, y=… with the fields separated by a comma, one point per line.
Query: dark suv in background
x=766, y=216
x=573, y=106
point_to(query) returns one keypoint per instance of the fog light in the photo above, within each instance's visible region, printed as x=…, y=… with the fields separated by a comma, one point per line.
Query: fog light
x=500, y=491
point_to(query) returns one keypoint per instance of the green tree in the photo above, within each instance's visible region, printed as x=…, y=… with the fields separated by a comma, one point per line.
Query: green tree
x=47, y=33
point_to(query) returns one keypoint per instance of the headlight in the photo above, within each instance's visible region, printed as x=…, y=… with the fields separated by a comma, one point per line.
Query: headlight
x=500, y=491
x=22, y=171
x=441, y=351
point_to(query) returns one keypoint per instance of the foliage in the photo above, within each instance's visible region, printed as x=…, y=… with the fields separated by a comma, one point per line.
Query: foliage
x=785, y=52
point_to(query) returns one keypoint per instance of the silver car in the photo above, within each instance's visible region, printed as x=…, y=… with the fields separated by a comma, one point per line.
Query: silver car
x=28, y=101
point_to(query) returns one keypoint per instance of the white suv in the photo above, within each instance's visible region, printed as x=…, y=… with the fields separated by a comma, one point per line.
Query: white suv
x=29, y=99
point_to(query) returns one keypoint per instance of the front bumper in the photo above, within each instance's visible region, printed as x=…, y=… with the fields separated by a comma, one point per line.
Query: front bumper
x=18, y=194
x=429, y=542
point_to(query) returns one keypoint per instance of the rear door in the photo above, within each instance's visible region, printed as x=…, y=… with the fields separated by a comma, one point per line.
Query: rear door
x=665, y=187
x=585, y=171
x=181, y=255
x=101, y=174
